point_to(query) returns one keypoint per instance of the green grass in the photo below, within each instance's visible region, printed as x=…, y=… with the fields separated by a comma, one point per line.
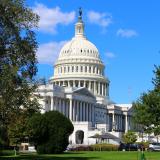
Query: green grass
x=86, y=156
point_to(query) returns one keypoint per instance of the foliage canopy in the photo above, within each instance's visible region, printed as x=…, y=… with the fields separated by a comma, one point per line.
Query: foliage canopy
x=17, y=60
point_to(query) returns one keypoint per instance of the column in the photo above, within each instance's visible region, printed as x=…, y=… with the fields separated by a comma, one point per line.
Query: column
x=69, y=85
x=81, y=118
x=84, y=114
x=63, y=108
x=126, y=123
x=55, y=103
x=95, y=89
x=51, y=103
x=90, y=112
x=99, y=85
x=79, y=83
x=74, y=83
x=118, y=121
x=73, y=110
x=60, y=105
x=70, y=109
x=89, y=85
x=86, y=111
x=93, y=118
x=87, y=69
x=105, y=90
x=113, y=121
x=77, y=111
x=121, y=123
x=92, y=69
x=84, y=84
x=102, y=89
x=67, y=109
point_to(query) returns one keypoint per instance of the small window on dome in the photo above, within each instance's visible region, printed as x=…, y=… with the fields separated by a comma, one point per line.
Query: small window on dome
x=76, y=68
x=72, y=68
x=81, y=50
x=85, y=68
x=89, y=69
x=81, y=68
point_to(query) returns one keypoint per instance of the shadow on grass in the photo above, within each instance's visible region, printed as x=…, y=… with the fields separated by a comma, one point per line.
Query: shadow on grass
x=65, y=156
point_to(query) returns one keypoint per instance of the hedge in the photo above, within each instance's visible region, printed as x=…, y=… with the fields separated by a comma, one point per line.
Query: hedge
x=104, y=147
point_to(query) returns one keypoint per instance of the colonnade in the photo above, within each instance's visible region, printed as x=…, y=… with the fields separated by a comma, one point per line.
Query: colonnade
x=120, y=122
x=75, y=110
x=98, y=88
x=87, y=69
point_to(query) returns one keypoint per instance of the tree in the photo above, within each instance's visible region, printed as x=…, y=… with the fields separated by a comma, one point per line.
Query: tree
x=17, y=60
x=50, y=132
x=129, y=137
x=147, y=107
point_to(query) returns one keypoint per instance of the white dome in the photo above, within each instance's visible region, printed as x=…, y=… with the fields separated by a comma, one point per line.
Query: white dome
x=79, y=48
x=79, y=65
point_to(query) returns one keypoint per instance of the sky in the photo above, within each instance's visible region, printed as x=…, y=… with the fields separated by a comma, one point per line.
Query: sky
x=126, y=33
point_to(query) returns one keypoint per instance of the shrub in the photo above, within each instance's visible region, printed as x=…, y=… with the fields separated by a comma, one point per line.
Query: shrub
x=7, y=152
x=144, y=144
x=104, y=147
x=50, y=132
x=82, y=148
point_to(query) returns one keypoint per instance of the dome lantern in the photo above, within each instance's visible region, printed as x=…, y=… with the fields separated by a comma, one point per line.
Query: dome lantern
x=79, y=26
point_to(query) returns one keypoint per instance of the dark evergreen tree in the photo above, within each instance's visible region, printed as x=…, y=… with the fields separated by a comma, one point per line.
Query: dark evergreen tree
x=50, y=132
x=147, y=108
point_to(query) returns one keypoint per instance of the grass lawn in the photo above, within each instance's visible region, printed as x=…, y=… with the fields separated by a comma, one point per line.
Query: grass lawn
x=87, y=156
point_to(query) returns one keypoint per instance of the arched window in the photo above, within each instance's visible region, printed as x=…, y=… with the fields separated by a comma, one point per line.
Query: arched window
x=72, y=68
x=79, y=136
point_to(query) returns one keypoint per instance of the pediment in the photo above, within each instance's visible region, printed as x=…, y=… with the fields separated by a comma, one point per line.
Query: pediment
x=84, y=91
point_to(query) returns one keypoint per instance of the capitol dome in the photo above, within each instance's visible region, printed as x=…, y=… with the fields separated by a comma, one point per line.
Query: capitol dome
x=79, y=65
x=81, y=48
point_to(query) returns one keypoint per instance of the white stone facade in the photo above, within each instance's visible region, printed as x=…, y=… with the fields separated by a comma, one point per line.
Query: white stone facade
x=80, y=91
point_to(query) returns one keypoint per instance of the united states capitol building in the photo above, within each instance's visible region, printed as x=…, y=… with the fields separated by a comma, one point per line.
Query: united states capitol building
x=80, y=90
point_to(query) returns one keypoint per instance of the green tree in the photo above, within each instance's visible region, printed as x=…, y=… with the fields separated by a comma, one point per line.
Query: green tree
x=129, y=137
x=147, y=107
x=50, y=132
x=17, y=59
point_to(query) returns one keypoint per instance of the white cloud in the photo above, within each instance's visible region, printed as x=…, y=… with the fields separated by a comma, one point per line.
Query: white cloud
x=127, y=33
x=101, y=19
x=110, y=55
x=48, y=52
x=51, y=17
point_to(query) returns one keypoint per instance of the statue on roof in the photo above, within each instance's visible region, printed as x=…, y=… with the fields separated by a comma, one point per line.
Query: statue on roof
x=80, y=12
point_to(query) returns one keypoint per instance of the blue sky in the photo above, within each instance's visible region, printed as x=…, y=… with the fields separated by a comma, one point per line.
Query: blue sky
x=126, y=33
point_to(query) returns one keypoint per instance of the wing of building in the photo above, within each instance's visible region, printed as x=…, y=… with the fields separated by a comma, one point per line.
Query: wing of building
x=80, y=90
